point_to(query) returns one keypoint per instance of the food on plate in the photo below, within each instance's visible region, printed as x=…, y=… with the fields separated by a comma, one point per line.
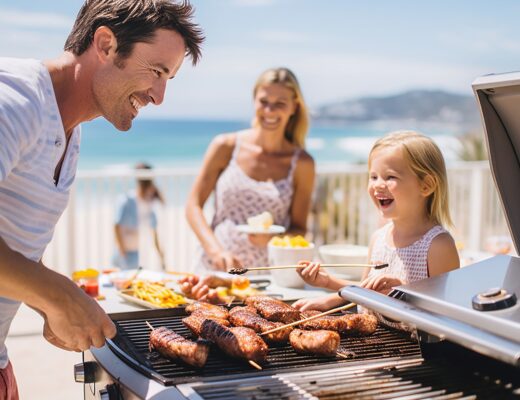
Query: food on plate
x=273, y=309
x=208, y=309
x=346, y=324
x=238, y=342
x=289, y=241
x=261, y=221
x=175, y=346
x=320, y=342
x=156, y=293
x=221, y=290
x=248, y=317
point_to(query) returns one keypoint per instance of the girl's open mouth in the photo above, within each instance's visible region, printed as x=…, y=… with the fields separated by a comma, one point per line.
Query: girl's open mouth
x=385, y=202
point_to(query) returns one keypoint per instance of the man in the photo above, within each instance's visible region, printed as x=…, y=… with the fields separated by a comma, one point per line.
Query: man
x=117, y=59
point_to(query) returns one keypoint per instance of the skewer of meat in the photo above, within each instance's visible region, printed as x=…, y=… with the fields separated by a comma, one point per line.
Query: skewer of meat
x=319, y=342
x=195, y=320
x=273, y=309
x=334, y=310
x=238, y=342
x=208, y=309
x=347, y=324
x=174, y=346
x=248, y=317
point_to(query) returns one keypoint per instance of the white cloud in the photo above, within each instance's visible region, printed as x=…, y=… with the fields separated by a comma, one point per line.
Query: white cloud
x=283, y=37
x=221, y=85
x=34, y=20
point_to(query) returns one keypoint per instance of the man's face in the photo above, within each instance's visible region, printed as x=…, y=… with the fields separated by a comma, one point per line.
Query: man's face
x=121, y=87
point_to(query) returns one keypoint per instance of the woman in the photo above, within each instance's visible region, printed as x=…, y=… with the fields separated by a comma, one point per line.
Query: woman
x=263, y=168
x=134, y=215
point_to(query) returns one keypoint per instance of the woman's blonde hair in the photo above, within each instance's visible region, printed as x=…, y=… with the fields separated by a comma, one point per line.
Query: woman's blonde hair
x=425, y=160
x=298, y=125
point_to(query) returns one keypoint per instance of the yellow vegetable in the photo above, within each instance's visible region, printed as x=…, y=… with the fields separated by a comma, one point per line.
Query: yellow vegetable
x=289, y=241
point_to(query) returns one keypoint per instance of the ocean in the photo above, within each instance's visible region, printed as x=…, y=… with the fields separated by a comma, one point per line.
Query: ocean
x=182, y=143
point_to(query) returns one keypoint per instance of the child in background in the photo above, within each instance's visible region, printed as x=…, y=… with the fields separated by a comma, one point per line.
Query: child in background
x=408, y=185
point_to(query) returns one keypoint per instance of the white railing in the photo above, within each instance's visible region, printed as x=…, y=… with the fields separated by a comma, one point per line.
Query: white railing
x=342, y=213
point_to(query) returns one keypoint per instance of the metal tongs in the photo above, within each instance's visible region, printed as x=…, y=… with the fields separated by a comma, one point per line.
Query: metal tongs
x=241, y=271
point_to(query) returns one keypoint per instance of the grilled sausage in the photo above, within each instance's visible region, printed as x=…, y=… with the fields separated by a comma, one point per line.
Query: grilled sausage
x=347, y=324
x=173, y=345
x=247, y=317
x=320, y=342
x=195, y=320
x=273, y=309
x=208, y=309
x=238, y=342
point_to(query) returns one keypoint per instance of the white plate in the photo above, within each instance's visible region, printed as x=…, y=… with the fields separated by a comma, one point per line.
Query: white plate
x=273, y=230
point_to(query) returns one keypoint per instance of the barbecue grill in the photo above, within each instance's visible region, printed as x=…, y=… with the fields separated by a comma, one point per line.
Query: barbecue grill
x=460, y=337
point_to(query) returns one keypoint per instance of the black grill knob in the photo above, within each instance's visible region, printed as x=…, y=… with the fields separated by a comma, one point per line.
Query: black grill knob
x=85, y=372
x=493, y=299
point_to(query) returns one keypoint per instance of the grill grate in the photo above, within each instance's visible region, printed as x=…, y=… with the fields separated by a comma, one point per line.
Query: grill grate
x=131, y=344
x=410, y=380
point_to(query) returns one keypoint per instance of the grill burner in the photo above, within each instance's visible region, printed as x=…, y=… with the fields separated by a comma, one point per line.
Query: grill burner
x=131, y=345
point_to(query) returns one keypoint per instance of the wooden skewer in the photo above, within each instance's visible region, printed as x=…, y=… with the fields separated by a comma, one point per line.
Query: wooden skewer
x=240, y=271
x=231, y=301
x=254, y=364
x=342, y=355
x=149, y=325
x=334, y=310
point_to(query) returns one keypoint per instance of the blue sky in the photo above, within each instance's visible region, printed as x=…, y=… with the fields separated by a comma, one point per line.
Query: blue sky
x=339, y=49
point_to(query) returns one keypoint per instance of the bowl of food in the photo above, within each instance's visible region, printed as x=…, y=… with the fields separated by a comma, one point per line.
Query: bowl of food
x=288, y=250
x=344, y=254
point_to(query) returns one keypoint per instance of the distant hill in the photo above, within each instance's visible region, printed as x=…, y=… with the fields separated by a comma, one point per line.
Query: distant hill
x=417, y=106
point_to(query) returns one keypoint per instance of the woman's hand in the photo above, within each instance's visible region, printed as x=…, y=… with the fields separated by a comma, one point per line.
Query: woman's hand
x=381, y=283
x=224, y=261
x=324, y=303
x=313, y=274
x=259, y=239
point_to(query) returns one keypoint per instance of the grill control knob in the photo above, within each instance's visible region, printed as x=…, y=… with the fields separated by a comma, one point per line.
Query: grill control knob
x=111, y=392
x=493, y=299
x=85, y=372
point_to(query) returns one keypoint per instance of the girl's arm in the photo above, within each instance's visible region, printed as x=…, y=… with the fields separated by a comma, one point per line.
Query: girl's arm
x=215, y=161
x=442, y=255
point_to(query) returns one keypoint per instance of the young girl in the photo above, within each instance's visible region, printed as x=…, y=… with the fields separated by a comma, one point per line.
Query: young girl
x=408, y=185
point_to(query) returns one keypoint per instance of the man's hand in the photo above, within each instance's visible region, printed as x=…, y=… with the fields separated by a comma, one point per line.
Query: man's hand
x=73, y=320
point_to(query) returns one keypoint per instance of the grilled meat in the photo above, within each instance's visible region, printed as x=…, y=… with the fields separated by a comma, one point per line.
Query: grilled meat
x=320, y=342
x=173, y=345
x=273, y=309
x=247, y=316
x=208, y=309
x=238, y=342
x=195, y=320
x=347, y=324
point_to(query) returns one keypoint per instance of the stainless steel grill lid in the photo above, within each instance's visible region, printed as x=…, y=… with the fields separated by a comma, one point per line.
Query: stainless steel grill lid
x=498, y=98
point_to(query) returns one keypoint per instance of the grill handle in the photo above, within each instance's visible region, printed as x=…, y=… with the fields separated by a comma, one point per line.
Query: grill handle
x=443, y=327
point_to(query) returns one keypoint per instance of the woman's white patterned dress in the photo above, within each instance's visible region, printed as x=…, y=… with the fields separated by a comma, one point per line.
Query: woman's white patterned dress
x=238, y=197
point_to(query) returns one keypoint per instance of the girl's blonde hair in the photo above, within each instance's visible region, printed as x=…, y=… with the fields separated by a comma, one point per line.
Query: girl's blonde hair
x=426, y=160
x=298, y=125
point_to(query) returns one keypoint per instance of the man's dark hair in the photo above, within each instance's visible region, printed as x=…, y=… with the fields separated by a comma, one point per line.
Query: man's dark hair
x=134, y=21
